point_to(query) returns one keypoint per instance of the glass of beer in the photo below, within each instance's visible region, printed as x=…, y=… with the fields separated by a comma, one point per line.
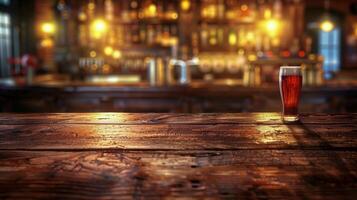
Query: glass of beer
x=290, y=82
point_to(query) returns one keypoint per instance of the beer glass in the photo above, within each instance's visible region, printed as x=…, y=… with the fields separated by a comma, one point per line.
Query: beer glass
x=290, y=82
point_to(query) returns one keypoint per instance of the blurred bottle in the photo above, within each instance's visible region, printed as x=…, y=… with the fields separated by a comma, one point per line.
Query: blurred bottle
x=220, y=36
x=213, y=36
x=204, y=36
x=221, y=9
x=135, y=31
x=142, y=34
x=184, y=69
x=150, y=35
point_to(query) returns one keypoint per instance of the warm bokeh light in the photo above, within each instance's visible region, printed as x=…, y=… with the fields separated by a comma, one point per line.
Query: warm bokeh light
x=327, y=26
x=267, y=14
x=91, y=6
x=252, y=57
x=232, y=39
x=185, y=5
x=99, y=27
x=82, y=16
x=209, y=11
x=108, y=50
x=116, y=54
x=244, y=7
x=275, y=41
x=46, y=42
x=152, y=10
x=250, y=36
x=174, y=15
x=272, y=27
x=48, y=28
x=92, y=54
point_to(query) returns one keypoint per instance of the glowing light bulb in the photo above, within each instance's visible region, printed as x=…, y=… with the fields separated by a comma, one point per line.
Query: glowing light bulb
x=272, y=27
x=98, y=28
x=152, y=10
x=48, y=28
x=327, y=26
x=185, y=5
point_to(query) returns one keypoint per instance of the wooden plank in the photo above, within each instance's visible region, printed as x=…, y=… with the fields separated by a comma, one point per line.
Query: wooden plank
x=151, y=118
x=252, y=174
x=177, y=136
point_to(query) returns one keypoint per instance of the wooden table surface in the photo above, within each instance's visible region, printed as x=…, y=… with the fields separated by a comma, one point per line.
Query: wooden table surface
x=183, y=156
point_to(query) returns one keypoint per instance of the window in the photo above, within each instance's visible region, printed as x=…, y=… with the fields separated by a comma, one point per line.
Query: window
x=5, y=44
x=5, y=38
x=4, y=2
x=329, y=48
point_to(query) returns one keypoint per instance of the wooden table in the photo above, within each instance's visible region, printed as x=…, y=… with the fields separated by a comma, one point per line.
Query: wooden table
x=168, y=156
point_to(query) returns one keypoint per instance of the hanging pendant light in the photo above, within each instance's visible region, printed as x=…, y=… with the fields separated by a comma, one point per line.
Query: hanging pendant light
x=327, y=24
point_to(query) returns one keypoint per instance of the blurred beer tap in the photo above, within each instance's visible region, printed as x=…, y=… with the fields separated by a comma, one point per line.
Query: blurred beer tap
x=156, y=70
x=184, y=72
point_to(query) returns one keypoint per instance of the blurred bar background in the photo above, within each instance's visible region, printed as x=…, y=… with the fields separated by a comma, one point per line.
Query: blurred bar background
x=175, y=55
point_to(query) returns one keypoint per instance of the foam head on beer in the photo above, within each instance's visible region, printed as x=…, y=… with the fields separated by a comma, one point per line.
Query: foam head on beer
x=290, y=82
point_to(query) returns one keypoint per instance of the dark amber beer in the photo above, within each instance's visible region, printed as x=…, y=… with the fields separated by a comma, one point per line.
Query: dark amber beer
x=290, y=81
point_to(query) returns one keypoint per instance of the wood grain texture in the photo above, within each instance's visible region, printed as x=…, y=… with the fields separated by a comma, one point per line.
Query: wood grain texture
x=167, y=118
x=254, y=174
x=177, y=136
x=177, y=156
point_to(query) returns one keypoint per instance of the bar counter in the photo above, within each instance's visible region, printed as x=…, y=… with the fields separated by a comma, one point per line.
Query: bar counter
x=197, y=97
x=182, y=156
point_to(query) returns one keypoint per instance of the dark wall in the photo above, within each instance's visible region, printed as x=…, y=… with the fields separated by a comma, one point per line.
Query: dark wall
x=23, y=17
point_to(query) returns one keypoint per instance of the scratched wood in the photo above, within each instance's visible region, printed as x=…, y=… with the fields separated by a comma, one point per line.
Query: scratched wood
x=177, y=156
x=151, y=118
x=176, y=136
x=253, y=174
